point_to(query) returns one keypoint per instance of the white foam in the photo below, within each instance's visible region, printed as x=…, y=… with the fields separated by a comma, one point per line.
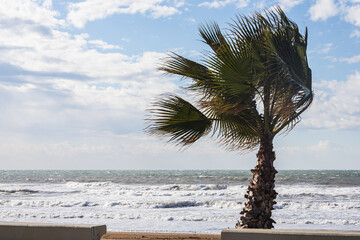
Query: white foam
x=206, y=207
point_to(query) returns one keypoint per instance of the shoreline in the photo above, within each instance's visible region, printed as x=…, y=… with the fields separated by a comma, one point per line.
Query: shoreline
x=203, y=202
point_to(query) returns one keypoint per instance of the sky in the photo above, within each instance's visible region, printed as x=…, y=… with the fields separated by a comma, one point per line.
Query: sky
x=76, y=78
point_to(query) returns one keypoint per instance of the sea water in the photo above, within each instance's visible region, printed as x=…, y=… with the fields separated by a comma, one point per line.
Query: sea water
x=176, y=201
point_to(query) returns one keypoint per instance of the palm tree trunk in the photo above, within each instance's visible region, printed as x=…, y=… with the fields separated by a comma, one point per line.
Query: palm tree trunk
x=261, y=194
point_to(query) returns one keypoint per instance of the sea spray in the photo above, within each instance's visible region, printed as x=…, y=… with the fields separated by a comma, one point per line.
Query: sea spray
x=176, y=201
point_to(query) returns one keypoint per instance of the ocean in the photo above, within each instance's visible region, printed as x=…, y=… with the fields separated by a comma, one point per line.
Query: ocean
x=177, y=201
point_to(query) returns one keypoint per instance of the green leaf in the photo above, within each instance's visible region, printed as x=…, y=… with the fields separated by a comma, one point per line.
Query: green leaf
x=254, y=81
x=176, y=118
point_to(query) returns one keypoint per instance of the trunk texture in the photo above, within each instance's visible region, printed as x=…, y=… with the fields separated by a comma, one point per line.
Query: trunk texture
x=261, y=194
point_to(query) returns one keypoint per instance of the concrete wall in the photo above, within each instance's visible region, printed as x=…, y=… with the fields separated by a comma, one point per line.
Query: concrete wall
x=274, y=234
x=44, y=231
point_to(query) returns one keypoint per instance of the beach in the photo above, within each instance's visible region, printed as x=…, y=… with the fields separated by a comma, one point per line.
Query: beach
x=191, y=202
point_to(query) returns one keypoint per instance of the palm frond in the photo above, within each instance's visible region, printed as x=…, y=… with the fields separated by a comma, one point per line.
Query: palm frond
x=256, y=81
x=238, y=132
x=232, y=68
x=201, y=76
x=235, y=129
x=212, y=36
x=285, y=87
x=288, y=69
x=233, y=74
x=176, y=118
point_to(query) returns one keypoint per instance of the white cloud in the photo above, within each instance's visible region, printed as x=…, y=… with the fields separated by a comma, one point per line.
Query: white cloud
x=331, y=58
x=61, y=52
x=192, y=20
x=242, y=3
x=64, y=85
x=25, y=11
x=322, y=49
x=103, y=45
x=336, y=105
x=163, y=11
x=179, y=3
x=322, y=145
x=223, y=3
x=326, y=48
x=260, y=5
x=350, y=60
x=90, y=10
x=113, y=151
x=355, y=33
x=323, y=9
x=18, y=88
x=125, y=40
x=287, y=5
x=352, y=14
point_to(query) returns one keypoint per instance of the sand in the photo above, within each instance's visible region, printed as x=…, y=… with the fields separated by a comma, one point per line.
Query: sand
x=162, y=236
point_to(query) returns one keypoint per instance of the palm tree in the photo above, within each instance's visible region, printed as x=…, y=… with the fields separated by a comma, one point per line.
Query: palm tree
x=254, y=84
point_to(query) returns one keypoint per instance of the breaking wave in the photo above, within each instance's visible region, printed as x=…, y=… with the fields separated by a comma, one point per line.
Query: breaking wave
x=199, y=199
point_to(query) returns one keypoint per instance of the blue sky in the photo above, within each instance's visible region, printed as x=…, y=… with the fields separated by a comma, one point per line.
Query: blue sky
x=77, y=76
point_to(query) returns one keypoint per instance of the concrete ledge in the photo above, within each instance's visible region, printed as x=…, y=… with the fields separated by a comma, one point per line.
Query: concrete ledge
x=275, y=234
x=47, y=231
